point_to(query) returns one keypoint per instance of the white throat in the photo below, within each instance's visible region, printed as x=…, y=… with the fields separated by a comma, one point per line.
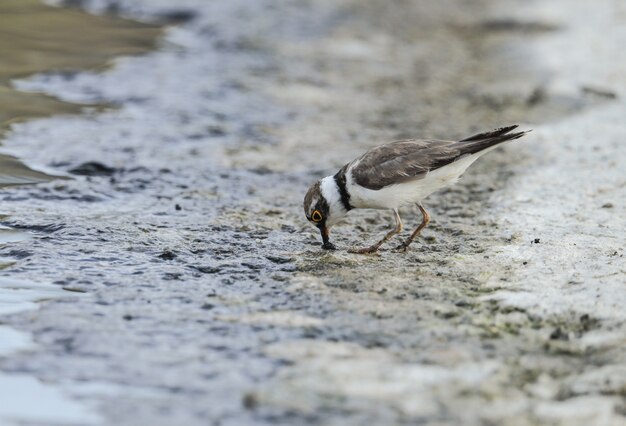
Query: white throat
x=331, y=193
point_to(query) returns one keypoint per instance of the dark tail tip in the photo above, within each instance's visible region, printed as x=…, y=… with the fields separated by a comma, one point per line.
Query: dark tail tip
x=483, y=141
x=495, y=134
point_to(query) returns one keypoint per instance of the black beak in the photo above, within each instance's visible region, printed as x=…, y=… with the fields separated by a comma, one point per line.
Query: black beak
x=325, y=239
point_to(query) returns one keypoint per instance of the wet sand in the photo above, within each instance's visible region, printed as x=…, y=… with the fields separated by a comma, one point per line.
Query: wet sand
x=208, y=298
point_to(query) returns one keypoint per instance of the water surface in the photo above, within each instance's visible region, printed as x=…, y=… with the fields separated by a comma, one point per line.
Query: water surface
x=38, y=38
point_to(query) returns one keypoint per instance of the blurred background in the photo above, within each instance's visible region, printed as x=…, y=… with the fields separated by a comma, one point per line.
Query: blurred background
x=155, y=263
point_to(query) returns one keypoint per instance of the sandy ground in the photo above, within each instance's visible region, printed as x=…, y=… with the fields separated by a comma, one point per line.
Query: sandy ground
x=204, y=297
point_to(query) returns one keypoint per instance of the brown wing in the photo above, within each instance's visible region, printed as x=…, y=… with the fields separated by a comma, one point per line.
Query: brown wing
x=406, y=160
x=401, y=161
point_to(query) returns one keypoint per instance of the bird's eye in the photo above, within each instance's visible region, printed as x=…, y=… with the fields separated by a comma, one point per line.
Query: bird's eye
x=316, y=216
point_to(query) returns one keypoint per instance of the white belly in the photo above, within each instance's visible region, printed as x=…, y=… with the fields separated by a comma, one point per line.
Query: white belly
x=411, y=192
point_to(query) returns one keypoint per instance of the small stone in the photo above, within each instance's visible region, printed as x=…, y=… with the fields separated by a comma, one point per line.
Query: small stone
x=207, y=269
x=74, y=289
x=172, y=276
x=167, y=255
x=216, y=130
x=279, y=259
x=92, y=168
x=607, y=206
x=177, y=16
x=558, y=334
x=250, y=401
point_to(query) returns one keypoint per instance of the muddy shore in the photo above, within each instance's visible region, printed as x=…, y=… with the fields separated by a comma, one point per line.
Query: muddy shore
x=198, y=294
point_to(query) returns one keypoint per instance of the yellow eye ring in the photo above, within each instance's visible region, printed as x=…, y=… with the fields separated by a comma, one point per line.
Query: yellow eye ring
x=316, y=216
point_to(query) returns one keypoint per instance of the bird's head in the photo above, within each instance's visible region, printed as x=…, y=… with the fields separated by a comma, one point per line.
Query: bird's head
x=323, y=208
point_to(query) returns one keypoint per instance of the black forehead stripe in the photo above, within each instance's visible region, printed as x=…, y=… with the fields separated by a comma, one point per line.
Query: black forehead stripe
x=340, y=180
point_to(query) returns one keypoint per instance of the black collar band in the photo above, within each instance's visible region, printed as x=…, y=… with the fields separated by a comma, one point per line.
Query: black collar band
x=340, y=180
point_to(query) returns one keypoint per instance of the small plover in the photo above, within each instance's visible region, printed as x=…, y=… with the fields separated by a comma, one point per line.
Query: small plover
x=393, y=175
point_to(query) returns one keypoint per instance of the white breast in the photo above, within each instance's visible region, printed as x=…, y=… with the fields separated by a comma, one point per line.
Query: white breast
x=411, y=192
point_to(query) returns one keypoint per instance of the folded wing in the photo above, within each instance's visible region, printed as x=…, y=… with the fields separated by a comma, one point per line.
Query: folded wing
x=406, y=160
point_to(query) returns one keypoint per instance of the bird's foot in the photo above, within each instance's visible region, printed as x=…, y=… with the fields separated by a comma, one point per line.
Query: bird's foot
x=402, y=248
x=329, y=246
x=365, y=250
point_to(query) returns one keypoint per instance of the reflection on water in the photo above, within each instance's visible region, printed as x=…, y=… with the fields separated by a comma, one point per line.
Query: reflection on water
x=14, y=172
x=12, y=341
x=18, y=295
x=19, y=106
x=55, y=403
x=10, y=235
x=38, y=38
x=18, y=391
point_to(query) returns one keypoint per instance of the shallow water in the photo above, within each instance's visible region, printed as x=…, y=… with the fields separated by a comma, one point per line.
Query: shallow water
x=35, y=37
x=14, y=172
x=18, y=391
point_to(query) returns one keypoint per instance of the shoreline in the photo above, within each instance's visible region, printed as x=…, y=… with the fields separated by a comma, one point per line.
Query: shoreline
x=28, y=54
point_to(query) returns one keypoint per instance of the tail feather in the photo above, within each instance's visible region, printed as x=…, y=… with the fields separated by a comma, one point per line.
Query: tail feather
x=482, y=141
x=492, y=134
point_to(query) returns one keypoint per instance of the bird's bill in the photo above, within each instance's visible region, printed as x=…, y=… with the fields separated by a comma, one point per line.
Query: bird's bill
x=327, y=245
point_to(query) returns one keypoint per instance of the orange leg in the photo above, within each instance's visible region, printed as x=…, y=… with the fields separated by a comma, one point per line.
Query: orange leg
x=425, y=220
x=374, y=248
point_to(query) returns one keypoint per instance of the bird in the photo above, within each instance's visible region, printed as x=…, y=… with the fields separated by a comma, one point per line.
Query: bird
x=393, y=175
